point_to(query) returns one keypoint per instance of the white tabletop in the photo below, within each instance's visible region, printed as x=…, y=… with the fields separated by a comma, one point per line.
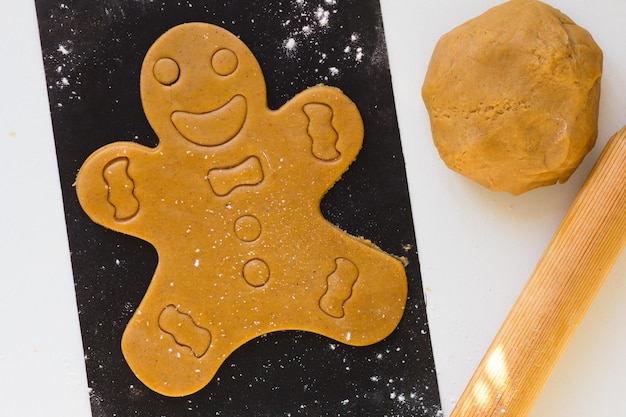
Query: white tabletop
x=477, y=248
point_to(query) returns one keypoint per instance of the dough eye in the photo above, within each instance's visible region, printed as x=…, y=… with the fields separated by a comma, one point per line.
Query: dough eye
x=166, y=71
x=224, y=62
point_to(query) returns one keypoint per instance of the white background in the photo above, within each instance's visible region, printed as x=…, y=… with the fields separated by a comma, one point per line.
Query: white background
x=477, y=248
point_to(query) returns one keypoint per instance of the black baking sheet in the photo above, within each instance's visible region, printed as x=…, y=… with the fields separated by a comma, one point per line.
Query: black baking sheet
x=92, y=53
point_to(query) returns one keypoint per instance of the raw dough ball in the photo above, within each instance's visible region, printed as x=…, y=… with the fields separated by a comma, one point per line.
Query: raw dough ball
x=513, y=96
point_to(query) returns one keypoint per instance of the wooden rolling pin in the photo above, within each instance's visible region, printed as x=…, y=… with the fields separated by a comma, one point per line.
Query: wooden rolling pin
x=570, y=272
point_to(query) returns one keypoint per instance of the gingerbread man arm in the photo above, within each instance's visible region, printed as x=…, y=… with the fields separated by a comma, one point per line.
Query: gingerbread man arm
x=106, y=188
x=334, y=126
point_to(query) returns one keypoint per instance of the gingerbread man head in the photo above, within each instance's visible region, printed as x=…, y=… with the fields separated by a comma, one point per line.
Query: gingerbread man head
x=200, y=82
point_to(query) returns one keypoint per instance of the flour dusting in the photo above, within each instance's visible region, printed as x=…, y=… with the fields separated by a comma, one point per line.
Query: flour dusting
x=311, y=24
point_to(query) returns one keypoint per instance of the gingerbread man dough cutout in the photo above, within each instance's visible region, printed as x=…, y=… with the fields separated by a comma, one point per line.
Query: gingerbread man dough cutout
x=230, y=199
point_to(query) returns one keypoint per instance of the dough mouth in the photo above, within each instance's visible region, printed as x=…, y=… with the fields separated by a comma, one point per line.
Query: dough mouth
x=214, y=127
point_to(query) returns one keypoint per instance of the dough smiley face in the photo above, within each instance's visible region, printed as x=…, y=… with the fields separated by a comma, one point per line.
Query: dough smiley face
x=230, y=199
x=227, y=119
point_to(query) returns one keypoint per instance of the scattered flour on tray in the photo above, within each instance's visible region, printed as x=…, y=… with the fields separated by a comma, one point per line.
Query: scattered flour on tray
x=308, y=23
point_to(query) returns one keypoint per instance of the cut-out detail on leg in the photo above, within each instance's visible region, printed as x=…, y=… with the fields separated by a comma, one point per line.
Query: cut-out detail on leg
x=321, y=131
x=184, y=330
x=224, y=180
x=121, y=189
x=339, y=287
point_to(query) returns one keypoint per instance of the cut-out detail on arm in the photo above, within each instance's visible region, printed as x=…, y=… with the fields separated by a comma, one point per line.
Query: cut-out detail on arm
x=321, y=131
x=121, y=189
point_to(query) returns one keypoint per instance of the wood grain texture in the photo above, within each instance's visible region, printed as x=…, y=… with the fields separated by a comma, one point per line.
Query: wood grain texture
x=560, y=290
